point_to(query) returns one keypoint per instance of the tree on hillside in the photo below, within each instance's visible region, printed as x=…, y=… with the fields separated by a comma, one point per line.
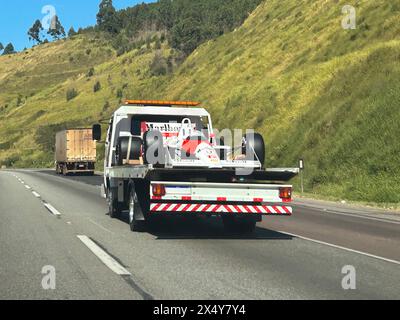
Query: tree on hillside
x=97, y=87
x=166, y=15
x=34, y=32
x=71, y=32
x=186, y=35
x=56, y=30
x=9, y=49
x=107, y=19
x=1, y=47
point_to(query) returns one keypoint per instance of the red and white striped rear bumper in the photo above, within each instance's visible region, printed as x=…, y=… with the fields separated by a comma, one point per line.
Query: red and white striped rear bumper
x=220, y=208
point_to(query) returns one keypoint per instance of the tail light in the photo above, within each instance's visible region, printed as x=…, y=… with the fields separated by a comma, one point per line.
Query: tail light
x=285, y=194
x=159, y=190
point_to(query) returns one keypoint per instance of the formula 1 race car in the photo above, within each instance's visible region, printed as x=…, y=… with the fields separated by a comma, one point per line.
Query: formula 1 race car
x=182, y=137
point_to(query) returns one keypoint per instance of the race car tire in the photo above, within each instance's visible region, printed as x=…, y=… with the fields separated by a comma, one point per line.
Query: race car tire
x=256, y=142
x=121, y=153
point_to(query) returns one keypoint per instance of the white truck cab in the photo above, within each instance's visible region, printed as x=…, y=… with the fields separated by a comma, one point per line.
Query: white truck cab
x=163, y=158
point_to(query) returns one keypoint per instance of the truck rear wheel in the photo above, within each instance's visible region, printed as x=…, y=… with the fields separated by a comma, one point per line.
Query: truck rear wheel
x=114, y=208
x=241, y=226
x=136, y=217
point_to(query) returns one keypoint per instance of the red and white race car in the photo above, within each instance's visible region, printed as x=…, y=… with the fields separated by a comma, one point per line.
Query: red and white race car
x=186, y=140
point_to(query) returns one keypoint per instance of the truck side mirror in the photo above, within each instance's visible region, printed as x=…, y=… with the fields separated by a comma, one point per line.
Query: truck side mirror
x=96, y=132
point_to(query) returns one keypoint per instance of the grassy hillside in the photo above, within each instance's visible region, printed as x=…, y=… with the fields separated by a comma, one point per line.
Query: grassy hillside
x=291, y=72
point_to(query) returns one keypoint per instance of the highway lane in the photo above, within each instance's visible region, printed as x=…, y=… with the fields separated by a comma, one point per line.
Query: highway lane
x=182, y=260
x=30, y=238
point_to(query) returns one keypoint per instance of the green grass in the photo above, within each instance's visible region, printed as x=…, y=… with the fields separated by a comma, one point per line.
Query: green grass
x=314, y=90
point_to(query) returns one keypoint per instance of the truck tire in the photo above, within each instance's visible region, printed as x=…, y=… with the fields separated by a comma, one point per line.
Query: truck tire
x=123, y=146
x=153, y=148
x=257, y=143
x=114, y=208
x=239, y=226
x=136, y=216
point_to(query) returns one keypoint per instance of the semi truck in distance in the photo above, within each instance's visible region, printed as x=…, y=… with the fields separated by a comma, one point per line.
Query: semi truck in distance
x=163, y=158
x=75, y=152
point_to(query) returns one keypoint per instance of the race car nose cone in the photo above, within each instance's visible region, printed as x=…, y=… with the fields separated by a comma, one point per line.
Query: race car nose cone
x=208, y=155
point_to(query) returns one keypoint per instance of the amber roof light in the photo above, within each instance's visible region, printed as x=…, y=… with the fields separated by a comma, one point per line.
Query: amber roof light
x=161, y=103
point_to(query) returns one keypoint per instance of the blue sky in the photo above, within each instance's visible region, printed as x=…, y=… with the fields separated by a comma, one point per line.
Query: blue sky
x=17, y=16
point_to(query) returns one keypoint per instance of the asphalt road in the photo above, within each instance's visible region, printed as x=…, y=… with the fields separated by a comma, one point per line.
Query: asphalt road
x=49, y=220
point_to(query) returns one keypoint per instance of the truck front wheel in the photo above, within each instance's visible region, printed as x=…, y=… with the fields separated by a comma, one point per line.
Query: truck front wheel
x=64, y=170
x=114, y=208
x=136, y=217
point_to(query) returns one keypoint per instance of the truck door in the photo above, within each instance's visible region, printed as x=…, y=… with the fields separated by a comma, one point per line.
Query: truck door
x=108, y=146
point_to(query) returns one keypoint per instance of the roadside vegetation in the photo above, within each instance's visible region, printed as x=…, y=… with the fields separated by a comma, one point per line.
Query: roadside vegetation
x=315, y=90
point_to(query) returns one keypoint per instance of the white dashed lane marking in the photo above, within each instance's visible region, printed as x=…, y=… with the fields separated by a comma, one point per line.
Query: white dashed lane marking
x=37, y=195
x=104, y=257
x=53, y=210
x=48, y=206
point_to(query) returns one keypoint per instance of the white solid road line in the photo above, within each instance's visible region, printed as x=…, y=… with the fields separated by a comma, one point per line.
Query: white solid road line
x=37, y=195
x=52, y=209
x=340, y=247
x=104, y=257
x=354, y=215
x=364, y=217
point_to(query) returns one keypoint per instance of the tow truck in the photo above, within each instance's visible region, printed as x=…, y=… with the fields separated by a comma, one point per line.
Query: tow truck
x=163, y=158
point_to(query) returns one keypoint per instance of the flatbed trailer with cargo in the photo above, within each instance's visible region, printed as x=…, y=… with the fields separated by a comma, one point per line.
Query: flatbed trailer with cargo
x=163, y=158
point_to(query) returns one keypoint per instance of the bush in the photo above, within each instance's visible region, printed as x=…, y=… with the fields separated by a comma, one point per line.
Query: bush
x=158, y=66
x=106, y=106
x=163, y=38
x=71, y=94
x=120, y=52
x=10, y=161
x=90, y=73
x=97, y=87
x=19, y=101
x=158, y=44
